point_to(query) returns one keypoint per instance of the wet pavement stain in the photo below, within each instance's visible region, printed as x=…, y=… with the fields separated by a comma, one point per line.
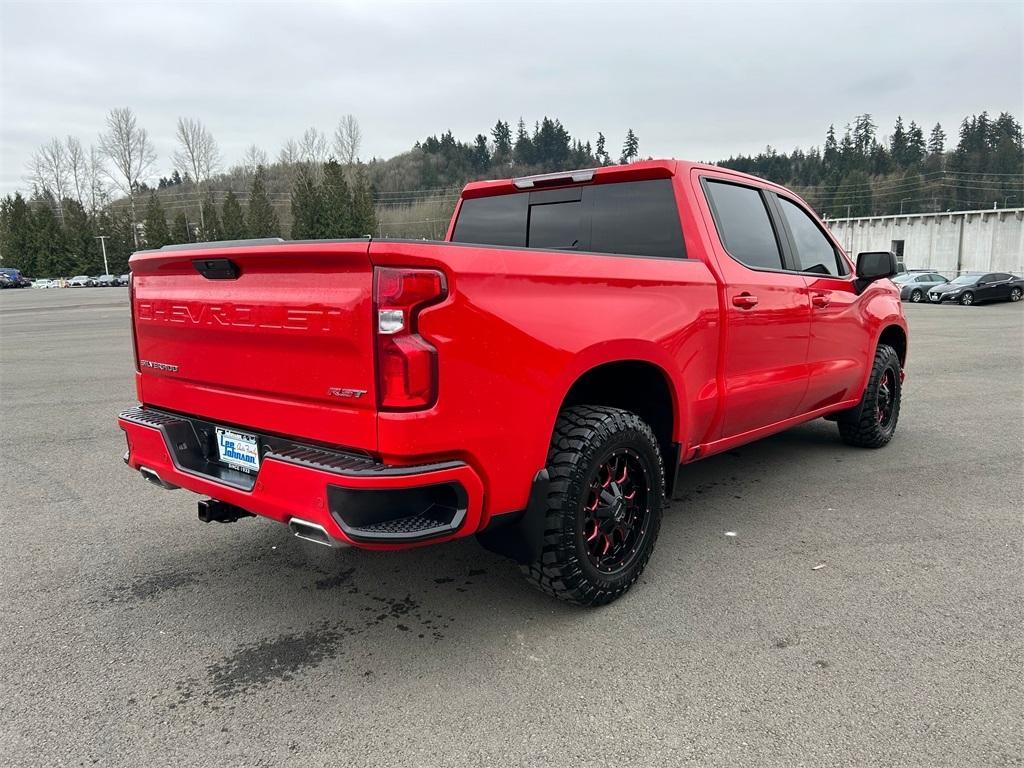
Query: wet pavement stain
x=154, y=586
x=257, y=664
x=341, y=577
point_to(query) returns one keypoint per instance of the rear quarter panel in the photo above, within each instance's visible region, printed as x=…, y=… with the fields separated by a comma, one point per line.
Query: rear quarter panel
x=521, y=326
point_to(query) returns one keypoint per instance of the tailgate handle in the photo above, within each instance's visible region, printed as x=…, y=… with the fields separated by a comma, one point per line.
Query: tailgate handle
x=216, y=269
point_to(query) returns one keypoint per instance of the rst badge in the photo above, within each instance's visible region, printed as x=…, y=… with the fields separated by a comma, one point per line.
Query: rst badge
x=353, y=394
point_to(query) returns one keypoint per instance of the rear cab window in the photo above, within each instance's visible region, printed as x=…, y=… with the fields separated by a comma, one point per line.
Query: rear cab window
x=744, y=224
x=630, y=218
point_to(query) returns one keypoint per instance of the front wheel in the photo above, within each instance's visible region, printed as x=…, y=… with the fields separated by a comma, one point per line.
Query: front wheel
x=1016, y=294
x=967, y=299
x=872, y=423
x=916, y=297
x=605, y=501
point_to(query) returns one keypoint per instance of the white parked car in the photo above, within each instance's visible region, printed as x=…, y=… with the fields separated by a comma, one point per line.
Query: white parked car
x=80, y=281
x=45, y=282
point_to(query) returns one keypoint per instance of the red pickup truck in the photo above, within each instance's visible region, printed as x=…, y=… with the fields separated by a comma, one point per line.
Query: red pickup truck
x=536, y=379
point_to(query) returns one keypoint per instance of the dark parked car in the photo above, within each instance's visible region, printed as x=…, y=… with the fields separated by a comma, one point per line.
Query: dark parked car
x=978, y=288
x=914, y=286
x=14, y=278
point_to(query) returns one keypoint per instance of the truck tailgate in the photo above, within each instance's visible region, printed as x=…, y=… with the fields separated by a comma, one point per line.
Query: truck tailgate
x=284, y=346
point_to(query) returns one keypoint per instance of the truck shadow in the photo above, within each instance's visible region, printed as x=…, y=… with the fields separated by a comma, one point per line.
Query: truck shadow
x=263, y=609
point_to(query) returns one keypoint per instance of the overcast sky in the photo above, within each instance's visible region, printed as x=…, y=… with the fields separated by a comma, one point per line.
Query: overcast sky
x=696, y=81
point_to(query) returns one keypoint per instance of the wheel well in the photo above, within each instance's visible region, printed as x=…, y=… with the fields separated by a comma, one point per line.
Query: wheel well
x=894, y=336
x=636, y=386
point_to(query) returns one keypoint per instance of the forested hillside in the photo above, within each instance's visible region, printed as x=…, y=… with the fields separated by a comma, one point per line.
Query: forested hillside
x=317, y=186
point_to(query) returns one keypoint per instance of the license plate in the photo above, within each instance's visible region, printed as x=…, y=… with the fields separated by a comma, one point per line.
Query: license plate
x=238, y=450
x=935, y=298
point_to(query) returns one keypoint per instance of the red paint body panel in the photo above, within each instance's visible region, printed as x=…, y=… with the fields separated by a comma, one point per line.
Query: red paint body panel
x=516, y=329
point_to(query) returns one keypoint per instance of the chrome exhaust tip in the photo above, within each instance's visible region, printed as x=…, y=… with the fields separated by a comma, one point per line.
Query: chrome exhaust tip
x=154, y=478
x=304, y=529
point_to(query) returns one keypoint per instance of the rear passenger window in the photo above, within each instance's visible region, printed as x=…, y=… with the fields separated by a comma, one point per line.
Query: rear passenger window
x=633, y=218
x=744, y=225
x=636, y=217
x=499, y=220
x=814, y=251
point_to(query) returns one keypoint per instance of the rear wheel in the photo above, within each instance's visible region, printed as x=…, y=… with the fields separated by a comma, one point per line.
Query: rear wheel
x=1016, y=294
x=604, y=506
x=967, y=298
x=873, y=422
x=916, y=296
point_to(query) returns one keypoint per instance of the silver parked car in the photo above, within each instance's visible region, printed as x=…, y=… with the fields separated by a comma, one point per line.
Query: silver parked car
x=914, y=286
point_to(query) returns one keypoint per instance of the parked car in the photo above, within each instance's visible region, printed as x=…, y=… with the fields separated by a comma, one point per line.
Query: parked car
x=81, y=281
x=978, y=288
x=6, y=281
x=105, y=281
x=14, y=278
x=914, y=286
x=45, y=282
x=124, y=279
x=536, y=380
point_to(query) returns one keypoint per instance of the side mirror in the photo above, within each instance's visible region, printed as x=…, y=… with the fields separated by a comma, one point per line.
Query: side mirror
x=874, y=265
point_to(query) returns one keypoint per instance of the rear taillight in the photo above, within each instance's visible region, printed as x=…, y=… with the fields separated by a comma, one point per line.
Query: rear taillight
x=406, y=362
x=131, y=304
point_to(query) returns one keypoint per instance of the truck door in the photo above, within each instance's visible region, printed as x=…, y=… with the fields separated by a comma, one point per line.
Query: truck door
x=767, y=311
x=838, y=340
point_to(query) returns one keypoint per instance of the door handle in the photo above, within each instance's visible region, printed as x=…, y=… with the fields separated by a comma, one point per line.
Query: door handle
x=744, y=301
x=820, y=300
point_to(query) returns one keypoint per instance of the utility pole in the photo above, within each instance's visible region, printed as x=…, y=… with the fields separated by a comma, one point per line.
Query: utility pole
x=901, y=204
x=103, y=244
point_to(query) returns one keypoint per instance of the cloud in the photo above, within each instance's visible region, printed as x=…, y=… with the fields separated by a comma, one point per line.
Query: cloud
x=700, y=81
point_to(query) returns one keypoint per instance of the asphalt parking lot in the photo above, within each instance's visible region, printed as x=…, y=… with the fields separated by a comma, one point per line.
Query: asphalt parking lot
x=133, y=635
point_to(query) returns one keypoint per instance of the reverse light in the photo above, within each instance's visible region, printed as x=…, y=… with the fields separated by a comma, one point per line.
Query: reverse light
x=406, y=362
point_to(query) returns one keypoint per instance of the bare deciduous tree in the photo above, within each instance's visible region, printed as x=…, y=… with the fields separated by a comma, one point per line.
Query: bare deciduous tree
x=98, y=190
x=313, y=147
x=49, y=171
x=290, y=153
x=78, y=167
x=128, y=148
x=254, y=157
x=347, y=138
x=198, y=155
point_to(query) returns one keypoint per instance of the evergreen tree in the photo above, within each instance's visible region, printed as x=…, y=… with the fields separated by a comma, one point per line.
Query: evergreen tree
x=261, y=220
x=631, y=147
x=47, y=253
x=308, y=210
x=523, y=151
x=937, y=140
x=916, y=147
x=181, y=231
x=481, y=154
x=854, y=196
x=600, y=153
x=211, y=221
x=502, y=136
x=121, y=245
x=364, y=217
x=831, y=156
x=898, y=144
x=337, y=202
x=83, y=251
x=155, y=222
x=232, y=220
x=16, y=235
